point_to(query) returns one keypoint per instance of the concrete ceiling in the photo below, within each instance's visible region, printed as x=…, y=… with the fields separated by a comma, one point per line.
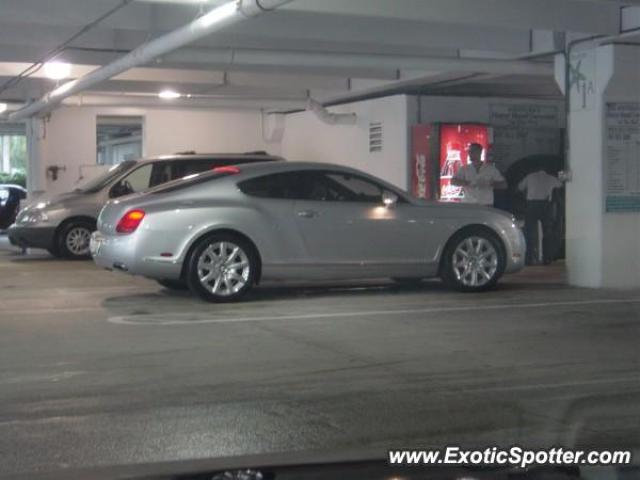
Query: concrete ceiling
x=328, y=49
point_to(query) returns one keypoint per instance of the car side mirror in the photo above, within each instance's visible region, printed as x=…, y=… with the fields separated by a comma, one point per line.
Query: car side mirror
x=389, y=199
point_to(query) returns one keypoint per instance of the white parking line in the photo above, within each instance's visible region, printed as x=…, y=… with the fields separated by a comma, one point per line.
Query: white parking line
x=188, y=318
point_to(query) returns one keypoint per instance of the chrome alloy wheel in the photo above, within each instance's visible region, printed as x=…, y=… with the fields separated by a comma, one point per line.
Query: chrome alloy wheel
x=77, y=241
x=475, y=262
x=223, y=268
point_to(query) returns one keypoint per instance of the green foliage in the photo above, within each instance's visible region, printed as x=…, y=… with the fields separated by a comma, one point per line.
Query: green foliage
x=18, y=177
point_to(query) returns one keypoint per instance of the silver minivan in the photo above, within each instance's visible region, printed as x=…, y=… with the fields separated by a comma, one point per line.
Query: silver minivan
x=63, y=224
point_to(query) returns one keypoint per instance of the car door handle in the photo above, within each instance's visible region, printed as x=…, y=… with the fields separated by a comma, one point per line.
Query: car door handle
x=308, y=213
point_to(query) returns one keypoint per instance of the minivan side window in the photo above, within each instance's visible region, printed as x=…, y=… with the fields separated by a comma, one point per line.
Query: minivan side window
x=138, y=180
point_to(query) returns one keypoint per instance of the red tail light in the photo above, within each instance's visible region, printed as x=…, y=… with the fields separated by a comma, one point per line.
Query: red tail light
x=229, y=169
x=130, y=221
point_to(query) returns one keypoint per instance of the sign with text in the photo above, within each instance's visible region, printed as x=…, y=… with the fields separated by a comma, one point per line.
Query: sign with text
x=523, y=115
x=622, y=157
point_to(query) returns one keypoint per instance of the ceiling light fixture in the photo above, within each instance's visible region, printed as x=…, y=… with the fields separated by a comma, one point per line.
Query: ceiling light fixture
x=169, y=94
x=3, y=107
x=57, y=70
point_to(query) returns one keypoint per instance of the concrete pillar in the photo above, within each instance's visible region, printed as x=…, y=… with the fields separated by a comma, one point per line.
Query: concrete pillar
x=603, y=196
x=36, y=175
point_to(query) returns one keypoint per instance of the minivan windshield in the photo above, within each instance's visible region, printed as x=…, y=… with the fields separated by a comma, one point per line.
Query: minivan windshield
x=98, y=183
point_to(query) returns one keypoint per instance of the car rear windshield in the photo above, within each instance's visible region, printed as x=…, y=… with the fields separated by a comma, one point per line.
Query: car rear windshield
x=190, y=181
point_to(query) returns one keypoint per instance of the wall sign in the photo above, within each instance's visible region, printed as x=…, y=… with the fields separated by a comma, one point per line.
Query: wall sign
x=523, y=115
x=622, y=157
x=520, y=130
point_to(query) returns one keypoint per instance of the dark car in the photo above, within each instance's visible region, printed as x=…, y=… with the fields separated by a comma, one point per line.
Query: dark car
x=10, y=197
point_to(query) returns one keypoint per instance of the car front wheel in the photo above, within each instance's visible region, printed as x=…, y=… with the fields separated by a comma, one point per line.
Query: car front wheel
x=222, y=268
x=73, y=240
x=473, y=261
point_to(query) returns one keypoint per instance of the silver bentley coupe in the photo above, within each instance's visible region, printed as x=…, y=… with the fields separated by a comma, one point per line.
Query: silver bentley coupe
x=221, y=232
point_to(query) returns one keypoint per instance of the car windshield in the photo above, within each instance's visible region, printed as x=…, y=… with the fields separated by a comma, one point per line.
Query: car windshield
x=97, y=183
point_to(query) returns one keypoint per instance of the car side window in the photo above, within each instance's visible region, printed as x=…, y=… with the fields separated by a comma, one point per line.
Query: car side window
x=161, y=173
x=277, y=185
x=137, y=181
x=341, y=187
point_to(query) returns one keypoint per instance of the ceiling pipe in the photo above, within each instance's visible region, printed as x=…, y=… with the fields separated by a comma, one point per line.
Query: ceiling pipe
x=225, y=57
x=151, y=101
x=216, y=19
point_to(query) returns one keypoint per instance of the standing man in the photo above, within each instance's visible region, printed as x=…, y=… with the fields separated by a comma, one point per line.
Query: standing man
x=539, y=188
x=478, y=178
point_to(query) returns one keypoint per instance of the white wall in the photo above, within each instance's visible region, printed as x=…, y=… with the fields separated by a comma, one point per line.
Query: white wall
x=306, y=138
x=70, y=138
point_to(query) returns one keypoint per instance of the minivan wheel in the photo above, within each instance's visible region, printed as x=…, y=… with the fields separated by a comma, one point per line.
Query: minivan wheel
x=73, y=240
x=473, y=261
x=222, y=268
x=173, y=284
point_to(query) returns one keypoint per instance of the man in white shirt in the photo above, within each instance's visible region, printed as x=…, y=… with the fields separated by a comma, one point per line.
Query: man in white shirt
x=539, y=188
x=478, y=178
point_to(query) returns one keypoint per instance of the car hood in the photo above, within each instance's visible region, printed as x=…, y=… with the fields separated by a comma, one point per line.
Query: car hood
x=57, y=201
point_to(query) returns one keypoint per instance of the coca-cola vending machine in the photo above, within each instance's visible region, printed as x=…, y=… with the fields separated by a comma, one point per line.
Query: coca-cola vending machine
x=439, y=150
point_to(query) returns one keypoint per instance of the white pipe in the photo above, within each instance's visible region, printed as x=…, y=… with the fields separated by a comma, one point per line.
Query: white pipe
x=330, y=118
x=218, y=18
x=148, y=101
x=350, y=61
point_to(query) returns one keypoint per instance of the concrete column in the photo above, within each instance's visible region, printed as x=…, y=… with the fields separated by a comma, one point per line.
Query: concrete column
x=36, y=175
x=603, y=240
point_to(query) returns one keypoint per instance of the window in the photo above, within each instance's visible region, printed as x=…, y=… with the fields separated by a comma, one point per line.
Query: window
x=137, y=181
x=352, y=188
x=314, y=185
x=278, y=185
x=118, y=138
x=13, y=153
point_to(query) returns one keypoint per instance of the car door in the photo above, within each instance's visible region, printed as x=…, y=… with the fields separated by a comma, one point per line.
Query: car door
x=347, y=230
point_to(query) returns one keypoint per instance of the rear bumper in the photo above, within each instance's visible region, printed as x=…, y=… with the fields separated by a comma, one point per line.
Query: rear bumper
x=121, y=253
x=32, y=237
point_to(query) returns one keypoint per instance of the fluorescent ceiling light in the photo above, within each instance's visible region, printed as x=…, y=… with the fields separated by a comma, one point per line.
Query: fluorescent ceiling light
x=3, y=107
x=218, y=14
x=169, y=94
x=57, y=70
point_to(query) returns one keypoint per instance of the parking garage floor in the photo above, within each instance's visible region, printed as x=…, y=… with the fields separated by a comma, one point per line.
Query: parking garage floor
x=99, y=368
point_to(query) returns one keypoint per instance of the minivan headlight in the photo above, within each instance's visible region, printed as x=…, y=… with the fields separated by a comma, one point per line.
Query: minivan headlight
x=31, y=217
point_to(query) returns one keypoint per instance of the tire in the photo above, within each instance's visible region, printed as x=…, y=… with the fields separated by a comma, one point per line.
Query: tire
x=408, y=281
x=483, y=270
x=220, y=287
x=73, y=240
x=173, y=284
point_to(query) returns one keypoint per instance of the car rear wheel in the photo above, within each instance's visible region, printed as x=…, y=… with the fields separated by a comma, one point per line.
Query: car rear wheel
x=473, y=261
x=73, y=240
x=222, y=268
x=173, y=284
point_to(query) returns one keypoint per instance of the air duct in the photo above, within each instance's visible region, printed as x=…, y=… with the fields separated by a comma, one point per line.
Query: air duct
x=328, y=117
x=217, y=19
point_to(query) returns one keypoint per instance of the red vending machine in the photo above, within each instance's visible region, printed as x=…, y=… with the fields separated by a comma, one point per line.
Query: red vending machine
x=439, y=150
x=454, y=143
